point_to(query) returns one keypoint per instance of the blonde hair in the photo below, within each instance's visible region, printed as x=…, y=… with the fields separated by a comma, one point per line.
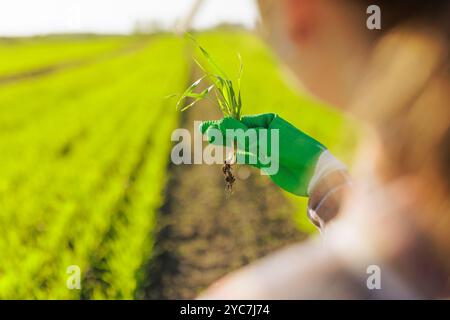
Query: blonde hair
x=405, y=96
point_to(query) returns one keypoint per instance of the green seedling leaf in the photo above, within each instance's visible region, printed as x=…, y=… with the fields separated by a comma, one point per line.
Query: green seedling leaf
x=212, y=62
x=228, y=97
x=189, y=91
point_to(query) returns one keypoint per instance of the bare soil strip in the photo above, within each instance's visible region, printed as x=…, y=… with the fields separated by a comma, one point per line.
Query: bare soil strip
x=36, y=73
x=202, y=234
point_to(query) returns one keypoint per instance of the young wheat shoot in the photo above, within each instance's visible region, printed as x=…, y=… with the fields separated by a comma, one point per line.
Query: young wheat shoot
x=226, y=96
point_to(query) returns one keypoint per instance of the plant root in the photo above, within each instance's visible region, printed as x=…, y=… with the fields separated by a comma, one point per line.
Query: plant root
x=227, y=170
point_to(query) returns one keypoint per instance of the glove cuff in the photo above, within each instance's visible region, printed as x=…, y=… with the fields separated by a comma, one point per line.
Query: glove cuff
x=326, y=164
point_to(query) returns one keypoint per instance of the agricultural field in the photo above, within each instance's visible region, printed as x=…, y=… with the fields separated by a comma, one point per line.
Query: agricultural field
x=85, y=151
x=28, y=55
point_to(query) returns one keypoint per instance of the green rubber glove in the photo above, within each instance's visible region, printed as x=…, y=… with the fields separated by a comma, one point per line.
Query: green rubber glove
x=298, y=152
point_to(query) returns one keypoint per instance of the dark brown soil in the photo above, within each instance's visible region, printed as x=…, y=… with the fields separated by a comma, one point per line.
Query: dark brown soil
x=203, y=233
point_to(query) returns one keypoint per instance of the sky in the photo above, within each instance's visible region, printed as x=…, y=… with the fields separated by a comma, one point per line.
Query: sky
x=34, y=17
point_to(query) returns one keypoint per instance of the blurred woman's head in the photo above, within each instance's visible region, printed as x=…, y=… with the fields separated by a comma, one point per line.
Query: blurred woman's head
x=395, y=79
x=327, y=42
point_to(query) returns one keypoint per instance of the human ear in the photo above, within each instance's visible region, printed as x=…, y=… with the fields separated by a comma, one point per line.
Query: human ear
x=301, y=17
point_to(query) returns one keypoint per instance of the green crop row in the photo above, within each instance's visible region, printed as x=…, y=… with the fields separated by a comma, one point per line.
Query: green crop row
x=82, y=173
x=24, y=55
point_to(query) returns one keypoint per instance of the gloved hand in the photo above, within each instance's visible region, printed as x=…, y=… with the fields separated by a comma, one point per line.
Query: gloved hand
x=299, y=154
